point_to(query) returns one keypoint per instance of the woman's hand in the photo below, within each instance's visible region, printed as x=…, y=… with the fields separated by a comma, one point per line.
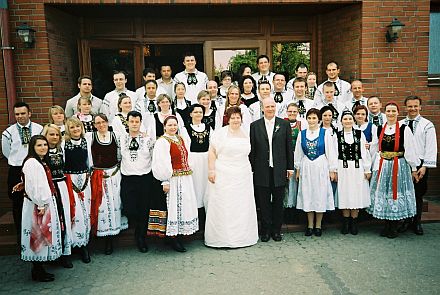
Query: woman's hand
x=211, y=176
x=18, y=187
x=367, y=146
x=333, y=176
x=367, y=175
x=297, y=174
x=415, y=176
x=41, y=210
x=166, y=188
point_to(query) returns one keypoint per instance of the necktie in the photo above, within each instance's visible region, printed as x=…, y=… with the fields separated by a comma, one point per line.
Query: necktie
x=311, y=92
x=336, y=89
x=335, y=111
x=192, y=79
x=376, y=120
x=411, y=125
x=278, y=97
x=301, y=108
x=263, y=78
x=133, y=145
x=355, y=104
x=26, y=135
x=151, y=106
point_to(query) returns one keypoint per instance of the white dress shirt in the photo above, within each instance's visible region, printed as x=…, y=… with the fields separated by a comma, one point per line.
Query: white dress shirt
x=269, y=129
x=192, y=90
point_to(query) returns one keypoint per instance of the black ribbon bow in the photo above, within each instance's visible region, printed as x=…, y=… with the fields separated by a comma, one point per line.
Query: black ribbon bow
x=278, y=97
x=192, y=79
x=151, y=106
x=134, y=145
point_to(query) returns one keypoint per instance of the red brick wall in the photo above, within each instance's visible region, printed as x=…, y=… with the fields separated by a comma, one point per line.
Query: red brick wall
x=32, y=66
x=340, y=32
x=396, y=70
x=63, y=34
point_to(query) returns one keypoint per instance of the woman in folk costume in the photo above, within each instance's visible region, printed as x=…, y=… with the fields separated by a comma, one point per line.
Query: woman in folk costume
x=56, y=164
x=171, y=167
x=353, y=173
x=158, y=207
x=392, y=190
x=41, y=228
x=368, y=128
x=199, y=134
x=76, y=168
x=105, y=215
x=315, y=164
x=180, y=104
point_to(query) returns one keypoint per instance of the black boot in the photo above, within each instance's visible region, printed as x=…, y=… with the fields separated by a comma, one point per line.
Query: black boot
x=344, y=229
x=85, y=256
x=384, y=232
x=39, y=274
x=354, y=226
x=139, y=234
x=66, y=262
x=418, y=229
x=177, y=245
x=404, y=225
x=392, y=233
x=108, y=246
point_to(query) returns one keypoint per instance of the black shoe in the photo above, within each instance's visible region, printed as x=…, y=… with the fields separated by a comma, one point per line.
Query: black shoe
x=344, y=229
x=177, y=245
x=384, y=232
x=404, y=226
x=85, y=256
x=308, y=232
x=354, y=227
x=317, y=232
x=265, y=237
x=108, y=246
x=40, y=275
x=66, y=262
x=392, y=233
x=418, y=229
x=141, y=244
x=277, y=237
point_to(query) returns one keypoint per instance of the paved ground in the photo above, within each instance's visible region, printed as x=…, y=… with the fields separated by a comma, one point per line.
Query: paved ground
x=332, y=264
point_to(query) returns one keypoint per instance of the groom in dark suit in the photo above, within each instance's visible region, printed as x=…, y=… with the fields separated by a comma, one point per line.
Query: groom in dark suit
x=271, y=158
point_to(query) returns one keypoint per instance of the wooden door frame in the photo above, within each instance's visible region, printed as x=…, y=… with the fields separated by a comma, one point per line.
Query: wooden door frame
x=85, y=45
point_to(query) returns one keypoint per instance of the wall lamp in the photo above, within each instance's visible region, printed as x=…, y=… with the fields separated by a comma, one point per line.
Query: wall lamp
x=393, y=30
x=26, y=35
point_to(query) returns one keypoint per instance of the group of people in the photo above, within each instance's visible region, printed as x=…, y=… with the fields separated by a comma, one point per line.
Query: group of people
x=182, y=154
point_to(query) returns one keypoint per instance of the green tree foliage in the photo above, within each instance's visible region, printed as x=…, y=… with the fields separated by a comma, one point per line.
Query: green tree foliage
x=284, y=59
x=249, y=57
x=286, y=56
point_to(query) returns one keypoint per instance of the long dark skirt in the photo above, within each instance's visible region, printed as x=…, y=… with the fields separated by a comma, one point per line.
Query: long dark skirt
x=157, y=220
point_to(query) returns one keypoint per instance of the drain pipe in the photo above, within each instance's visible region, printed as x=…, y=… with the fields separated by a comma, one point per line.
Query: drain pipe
x=8, y=63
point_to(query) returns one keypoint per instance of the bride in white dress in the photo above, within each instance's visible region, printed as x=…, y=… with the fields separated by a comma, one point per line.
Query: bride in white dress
x=231, y=219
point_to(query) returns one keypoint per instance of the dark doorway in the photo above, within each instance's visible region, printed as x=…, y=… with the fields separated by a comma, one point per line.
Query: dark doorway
x=104, y=62
x=156, y=55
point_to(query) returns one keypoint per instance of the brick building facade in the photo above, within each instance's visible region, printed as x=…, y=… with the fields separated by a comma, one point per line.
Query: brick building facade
x=350, y=32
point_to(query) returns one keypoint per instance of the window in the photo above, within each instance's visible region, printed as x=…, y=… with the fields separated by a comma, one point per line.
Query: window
x=434, y=49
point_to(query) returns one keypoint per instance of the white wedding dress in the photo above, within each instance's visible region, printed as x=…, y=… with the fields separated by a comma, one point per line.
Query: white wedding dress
x=231, y=219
